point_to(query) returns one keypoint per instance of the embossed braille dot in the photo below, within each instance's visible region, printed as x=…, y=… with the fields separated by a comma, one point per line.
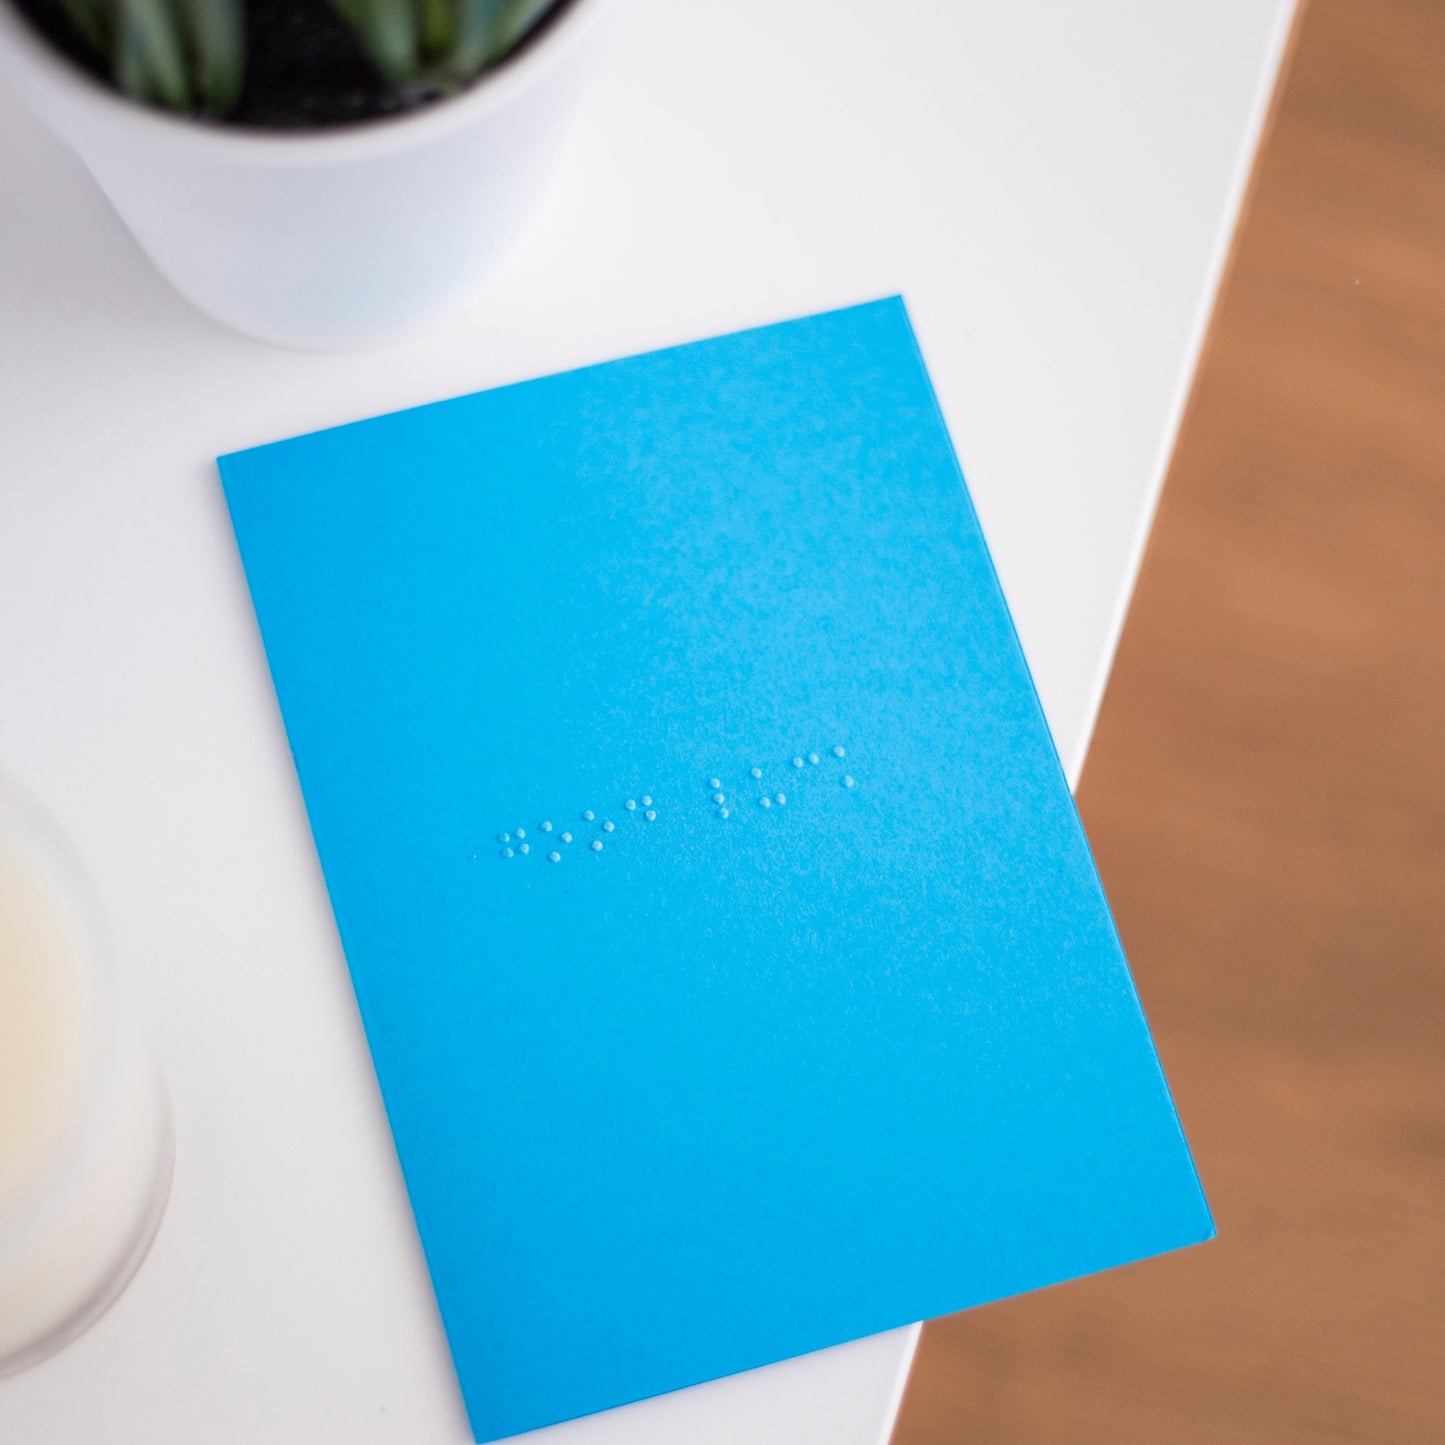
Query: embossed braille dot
x=781, y=799
x=546, y=827
x=714, y=783
x=722, y=813
x=525, y=848
x=588, y=815
x=608, y=826
x=812, y=757
x=631, y=805
x=566, y=837
x=757, y=772
x=651, y=815
x=847, y=780
x=597, y=845
x=521, y=832
x=839, y=753
x=797, y=762
x=504, y=837
x=719, y=797
x=554, y=857
x=646, y=801
x=507, y=853
x=765, y=802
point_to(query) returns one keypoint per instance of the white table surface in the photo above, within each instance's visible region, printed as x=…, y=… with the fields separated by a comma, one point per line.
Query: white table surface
x=1050, y=185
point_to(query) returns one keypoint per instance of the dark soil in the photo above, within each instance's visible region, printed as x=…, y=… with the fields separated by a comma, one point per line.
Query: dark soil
x=304, y=68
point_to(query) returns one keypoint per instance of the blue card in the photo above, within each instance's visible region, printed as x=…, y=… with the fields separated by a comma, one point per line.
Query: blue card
x=731, y=956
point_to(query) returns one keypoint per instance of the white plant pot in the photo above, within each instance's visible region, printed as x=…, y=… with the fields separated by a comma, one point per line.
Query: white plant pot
x=345, y=237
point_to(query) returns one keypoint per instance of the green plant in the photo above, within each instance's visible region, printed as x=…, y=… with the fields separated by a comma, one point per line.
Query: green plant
x=184, y=55
x=189, y=55
x=437, y=45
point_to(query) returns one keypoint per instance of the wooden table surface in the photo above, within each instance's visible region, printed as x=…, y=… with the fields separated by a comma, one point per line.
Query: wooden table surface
x=1266, y=797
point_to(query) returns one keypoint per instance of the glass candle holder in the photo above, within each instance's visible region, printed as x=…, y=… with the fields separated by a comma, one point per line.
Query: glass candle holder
x=86, y=1134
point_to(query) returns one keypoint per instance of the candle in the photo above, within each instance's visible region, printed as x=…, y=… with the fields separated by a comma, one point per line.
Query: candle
x=85, y=1125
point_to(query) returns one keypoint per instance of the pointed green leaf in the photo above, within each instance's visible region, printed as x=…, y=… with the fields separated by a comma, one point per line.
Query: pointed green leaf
x=149, y=60
x=216, y=41
x=514, y=20
x=437, y=22
x=389, y=33
x=475, y=20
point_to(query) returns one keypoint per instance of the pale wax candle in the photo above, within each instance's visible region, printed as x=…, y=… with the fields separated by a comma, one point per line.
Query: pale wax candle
x=86, y=1140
